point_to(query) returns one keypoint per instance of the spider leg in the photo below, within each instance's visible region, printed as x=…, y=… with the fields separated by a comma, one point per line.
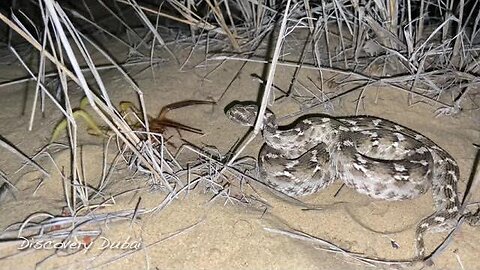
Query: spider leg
x=126, y=109
x=180, y=104
x=168, y=142
x=79, y=113
x=161, y=124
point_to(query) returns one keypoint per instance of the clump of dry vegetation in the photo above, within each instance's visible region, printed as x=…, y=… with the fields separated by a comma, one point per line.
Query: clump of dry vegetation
x=429, y=49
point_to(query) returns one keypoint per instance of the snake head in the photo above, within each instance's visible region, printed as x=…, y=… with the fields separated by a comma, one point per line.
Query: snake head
x=243, y=114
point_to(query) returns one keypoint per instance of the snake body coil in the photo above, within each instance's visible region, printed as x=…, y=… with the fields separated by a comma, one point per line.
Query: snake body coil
x=374, y=156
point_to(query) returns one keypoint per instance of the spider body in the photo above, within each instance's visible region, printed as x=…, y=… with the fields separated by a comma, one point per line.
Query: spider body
x=157, y=125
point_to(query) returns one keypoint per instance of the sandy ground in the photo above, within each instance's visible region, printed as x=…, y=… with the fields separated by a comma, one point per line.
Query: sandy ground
x=196, y=232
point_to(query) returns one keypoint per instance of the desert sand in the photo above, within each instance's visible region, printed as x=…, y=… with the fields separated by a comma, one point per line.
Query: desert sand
x=198, y=232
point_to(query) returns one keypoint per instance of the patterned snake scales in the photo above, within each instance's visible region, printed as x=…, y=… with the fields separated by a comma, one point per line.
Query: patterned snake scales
x=374, y=156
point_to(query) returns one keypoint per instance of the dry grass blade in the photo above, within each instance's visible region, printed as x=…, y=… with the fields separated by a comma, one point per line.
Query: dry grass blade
x=50, y=224
x=150, y=26
x=268, y=86
x=163, y=239
x=221, y=20
x=328, y=246
x=84, y=69
x=190, y=20
x=75, y=14
x=22, y=156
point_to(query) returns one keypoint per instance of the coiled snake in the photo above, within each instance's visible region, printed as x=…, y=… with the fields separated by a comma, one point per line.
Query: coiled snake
x=374, y=156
